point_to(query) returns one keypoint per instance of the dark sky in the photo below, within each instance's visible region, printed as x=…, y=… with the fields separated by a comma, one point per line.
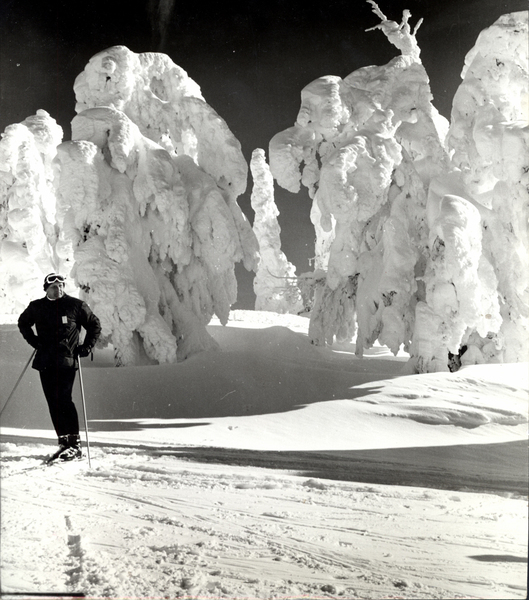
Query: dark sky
x=251, y=60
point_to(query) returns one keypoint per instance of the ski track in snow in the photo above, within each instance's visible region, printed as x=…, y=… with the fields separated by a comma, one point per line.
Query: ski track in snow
x=145, y=524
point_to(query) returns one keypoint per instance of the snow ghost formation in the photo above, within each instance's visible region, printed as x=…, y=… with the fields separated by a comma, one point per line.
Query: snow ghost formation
x=28, y=233
x=489, y=142
x=421, y=226
x=275, y=284
x=146, y=204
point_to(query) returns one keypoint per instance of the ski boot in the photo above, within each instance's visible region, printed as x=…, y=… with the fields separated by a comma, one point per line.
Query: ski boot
x=69, y=449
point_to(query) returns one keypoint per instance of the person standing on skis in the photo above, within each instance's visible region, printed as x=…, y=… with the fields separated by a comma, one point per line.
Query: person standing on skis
x=58, y=319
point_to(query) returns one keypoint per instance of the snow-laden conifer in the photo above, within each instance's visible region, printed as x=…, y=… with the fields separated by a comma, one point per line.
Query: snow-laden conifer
x=409, y=251
x=27, y=210
x=275, y=284
x=144, y=200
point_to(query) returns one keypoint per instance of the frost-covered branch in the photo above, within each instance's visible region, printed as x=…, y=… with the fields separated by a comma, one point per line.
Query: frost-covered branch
x=399, y=34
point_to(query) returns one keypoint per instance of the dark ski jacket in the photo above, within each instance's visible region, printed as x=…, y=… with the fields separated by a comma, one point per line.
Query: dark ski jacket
x=58, y=324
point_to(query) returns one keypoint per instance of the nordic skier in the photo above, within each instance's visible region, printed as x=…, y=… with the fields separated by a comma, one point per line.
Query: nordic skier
x=58, y=319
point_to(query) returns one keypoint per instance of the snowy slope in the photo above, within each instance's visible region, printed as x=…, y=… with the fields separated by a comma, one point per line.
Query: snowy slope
x=278, y=389
x=270, y=468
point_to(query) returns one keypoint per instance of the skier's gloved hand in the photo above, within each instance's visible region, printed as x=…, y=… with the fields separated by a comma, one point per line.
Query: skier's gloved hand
x=83, y=350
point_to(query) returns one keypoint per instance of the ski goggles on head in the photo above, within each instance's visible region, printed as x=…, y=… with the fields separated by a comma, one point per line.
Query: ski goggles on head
x=54, y=278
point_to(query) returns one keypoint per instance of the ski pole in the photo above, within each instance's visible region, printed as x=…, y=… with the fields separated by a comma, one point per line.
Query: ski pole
x=84, y=413
x=18, y=381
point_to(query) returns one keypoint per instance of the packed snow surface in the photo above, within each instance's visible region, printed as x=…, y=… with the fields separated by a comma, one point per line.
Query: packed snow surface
x=269, y=468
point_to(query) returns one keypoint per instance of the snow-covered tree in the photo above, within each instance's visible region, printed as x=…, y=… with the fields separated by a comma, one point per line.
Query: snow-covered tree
x=275, y=282
x=421, y=227
x=144, y=199
x=489, y=140
x=403, y=249
x=28, y=232
x=148, y=192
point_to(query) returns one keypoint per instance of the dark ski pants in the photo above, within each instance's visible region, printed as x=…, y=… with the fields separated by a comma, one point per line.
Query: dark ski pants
x=57, y=385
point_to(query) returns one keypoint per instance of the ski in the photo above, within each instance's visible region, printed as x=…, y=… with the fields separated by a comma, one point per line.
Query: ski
x=50, y=462
x=47, y=462
x=44, y=462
